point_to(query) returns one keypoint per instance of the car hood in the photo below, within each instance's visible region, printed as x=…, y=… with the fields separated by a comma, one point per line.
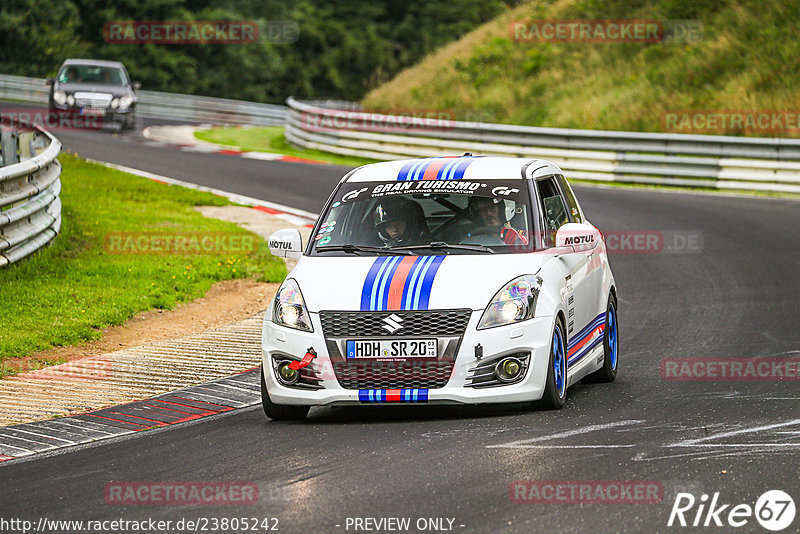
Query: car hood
x=113, y=90
x=408, y=282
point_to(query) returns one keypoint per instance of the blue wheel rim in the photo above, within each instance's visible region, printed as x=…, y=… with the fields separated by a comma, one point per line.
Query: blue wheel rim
x=612, y=336
x=558, y=361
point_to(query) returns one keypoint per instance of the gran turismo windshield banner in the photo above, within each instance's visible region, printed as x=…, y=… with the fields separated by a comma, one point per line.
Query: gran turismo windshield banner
x=491, y=216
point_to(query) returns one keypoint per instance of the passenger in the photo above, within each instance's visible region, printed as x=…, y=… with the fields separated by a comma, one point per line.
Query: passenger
x=489, y=214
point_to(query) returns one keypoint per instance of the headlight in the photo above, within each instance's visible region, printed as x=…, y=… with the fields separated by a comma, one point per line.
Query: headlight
x=115, y=103
x=125, y=101
x=289, y=308
x=515, y=302
x=60, y=97
x=70, y=100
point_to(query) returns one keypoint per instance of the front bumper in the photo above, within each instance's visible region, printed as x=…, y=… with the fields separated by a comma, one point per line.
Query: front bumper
x=107, y=116
x=531, y=336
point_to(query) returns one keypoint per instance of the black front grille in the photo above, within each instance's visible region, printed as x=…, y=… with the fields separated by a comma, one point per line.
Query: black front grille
x=438, y=323
x=393, y=375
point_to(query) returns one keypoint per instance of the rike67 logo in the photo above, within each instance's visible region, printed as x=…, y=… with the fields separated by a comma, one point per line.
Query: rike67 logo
x=774, y=510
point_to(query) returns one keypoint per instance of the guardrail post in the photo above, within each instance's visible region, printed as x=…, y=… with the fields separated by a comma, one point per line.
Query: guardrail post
x=8, y=140
x=25, y=142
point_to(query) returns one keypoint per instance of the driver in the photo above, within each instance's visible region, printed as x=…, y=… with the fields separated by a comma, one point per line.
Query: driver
x=400, y=221
x=490, y=213
x=70, y=76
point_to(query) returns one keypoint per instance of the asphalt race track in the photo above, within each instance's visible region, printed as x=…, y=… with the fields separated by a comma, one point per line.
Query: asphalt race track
x=734, y=295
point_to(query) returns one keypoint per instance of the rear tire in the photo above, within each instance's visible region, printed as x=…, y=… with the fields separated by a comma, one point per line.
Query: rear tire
x=555, y=391
x=280, y=412
x=608, y=372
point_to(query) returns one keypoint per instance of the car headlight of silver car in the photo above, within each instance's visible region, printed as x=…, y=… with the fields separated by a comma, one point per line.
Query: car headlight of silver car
x=60, y=97
x=125, y=101
x=289, y=309
x=513, y=303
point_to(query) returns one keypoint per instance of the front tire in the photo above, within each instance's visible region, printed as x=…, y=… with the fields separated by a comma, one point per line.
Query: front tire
x=130, y=121
x=280, y=412
x=555, y=391
x=608, y=372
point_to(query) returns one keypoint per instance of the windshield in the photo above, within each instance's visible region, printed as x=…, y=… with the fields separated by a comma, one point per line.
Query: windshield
x=425, y=217
x=93, y=74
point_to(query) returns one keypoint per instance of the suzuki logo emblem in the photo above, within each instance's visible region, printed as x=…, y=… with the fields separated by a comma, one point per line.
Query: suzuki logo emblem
x=393, y=323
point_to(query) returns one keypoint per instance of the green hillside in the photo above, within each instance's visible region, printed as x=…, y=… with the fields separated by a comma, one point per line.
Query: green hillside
x=747, y=59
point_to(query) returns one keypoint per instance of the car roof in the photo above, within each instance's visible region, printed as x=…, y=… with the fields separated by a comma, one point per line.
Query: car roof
x=453, y=168
x=94, y=62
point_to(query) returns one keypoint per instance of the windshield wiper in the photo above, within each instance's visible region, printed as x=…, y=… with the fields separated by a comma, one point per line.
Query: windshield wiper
x=441, y=245
x=355, y=249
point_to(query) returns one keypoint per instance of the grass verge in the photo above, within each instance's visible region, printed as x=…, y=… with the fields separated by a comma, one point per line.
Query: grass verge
x=272, y=139
x=81, y=283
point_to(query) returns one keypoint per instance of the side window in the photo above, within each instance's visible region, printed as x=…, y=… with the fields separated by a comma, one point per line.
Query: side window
x=574, y=210
x=553, y=207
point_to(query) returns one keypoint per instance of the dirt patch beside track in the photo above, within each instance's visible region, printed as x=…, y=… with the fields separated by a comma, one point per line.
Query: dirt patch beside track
x=226, y=302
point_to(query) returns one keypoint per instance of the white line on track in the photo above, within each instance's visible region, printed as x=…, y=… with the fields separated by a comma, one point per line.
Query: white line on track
x=699, y=442
x=529, y=443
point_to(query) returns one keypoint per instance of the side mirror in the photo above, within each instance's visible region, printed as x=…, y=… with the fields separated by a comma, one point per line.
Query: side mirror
x=137, y=86
x=50, y=81
x=286, y=243
x=578, y=237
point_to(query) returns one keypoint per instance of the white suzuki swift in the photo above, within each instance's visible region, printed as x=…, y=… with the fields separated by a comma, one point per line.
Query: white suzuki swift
x=442, y=281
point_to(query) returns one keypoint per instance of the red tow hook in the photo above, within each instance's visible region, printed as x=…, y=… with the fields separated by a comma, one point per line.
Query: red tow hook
x=310, y=355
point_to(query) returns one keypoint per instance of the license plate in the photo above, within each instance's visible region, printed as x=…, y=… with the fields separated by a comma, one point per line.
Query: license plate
x=97, y=112
x=392, y=348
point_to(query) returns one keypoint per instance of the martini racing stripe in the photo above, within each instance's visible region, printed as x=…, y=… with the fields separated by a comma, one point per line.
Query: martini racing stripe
x=400, y=283
x=444, y=168
x=588, y=338
x=393, y=395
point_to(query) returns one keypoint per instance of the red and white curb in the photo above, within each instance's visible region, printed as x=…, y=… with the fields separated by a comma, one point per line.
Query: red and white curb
x=182, y=138
x=195, y=402
x=293, y=216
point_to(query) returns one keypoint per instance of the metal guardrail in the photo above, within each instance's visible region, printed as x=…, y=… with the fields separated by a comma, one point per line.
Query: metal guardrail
x=705, y=161
x=30, y=209
x=154, y=104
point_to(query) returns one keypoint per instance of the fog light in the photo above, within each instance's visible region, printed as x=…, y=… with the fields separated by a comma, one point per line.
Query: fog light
x=287, y=375
x=508, y=369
